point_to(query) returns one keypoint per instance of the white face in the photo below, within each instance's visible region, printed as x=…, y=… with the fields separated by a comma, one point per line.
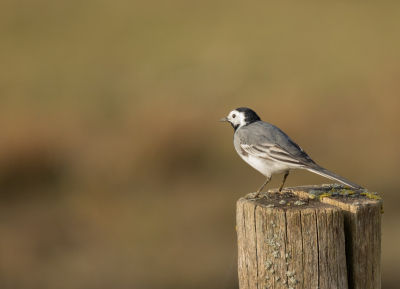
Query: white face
x=236, y=118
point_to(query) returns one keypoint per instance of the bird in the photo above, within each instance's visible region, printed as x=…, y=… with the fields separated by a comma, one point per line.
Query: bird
x=270, y=151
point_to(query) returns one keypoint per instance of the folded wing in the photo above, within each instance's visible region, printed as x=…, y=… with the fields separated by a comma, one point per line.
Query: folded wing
x=272, y=152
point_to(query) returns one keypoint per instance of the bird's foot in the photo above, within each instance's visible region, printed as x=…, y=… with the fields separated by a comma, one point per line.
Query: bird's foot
x=252, y=195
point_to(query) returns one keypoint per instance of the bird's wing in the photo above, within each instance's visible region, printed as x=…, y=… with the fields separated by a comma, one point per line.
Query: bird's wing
x=270, y=151
x=265, y=140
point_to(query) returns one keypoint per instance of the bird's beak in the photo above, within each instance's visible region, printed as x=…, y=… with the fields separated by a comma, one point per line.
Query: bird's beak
x=223, y=119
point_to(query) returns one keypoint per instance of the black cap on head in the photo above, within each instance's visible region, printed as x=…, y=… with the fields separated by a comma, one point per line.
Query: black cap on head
x=250, y=115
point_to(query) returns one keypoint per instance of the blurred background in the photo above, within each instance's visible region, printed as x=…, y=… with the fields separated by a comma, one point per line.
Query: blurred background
x=114, y=169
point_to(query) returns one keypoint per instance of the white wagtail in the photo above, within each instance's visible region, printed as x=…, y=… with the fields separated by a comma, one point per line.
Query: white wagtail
x=269, y=150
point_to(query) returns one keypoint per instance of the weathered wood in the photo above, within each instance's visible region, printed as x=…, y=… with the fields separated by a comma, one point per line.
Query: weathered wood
x=287, y=246
x=362, y=224
x=308, y=244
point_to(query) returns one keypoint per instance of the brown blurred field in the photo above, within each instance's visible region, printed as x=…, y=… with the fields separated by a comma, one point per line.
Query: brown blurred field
x=114, y=170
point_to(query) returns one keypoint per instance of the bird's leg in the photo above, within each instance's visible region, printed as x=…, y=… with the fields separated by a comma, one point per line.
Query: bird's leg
x=283, y=182
x=263, y=185
x=255, y=195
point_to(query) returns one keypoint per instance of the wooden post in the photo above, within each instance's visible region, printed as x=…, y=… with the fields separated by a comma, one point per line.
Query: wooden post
x=309, y=237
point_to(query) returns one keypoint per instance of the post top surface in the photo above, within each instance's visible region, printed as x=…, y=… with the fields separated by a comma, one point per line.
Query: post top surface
x=321, y=196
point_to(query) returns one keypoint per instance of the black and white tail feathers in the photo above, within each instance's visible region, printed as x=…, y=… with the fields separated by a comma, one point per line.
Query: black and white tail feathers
x=327, y=174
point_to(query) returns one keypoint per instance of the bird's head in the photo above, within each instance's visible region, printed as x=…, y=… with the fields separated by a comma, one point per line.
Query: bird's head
x=240, y=117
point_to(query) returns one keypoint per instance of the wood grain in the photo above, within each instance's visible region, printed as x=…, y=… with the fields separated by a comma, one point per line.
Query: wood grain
x=287, y=240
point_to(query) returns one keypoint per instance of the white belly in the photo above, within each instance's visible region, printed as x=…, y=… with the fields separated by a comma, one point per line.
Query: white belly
x=267, y=167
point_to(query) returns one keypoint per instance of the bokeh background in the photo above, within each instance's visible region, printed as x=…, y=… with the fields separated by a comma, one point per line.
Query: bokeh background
x=114, y=170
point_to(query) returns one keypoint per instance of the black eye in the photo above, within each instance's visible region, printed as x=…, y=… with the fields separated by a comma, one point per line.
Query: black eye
x=233, y=115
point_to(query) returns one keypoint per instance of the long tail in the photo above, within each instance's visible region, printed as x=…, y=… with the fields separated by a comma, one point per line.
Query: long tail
x=327, y=174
